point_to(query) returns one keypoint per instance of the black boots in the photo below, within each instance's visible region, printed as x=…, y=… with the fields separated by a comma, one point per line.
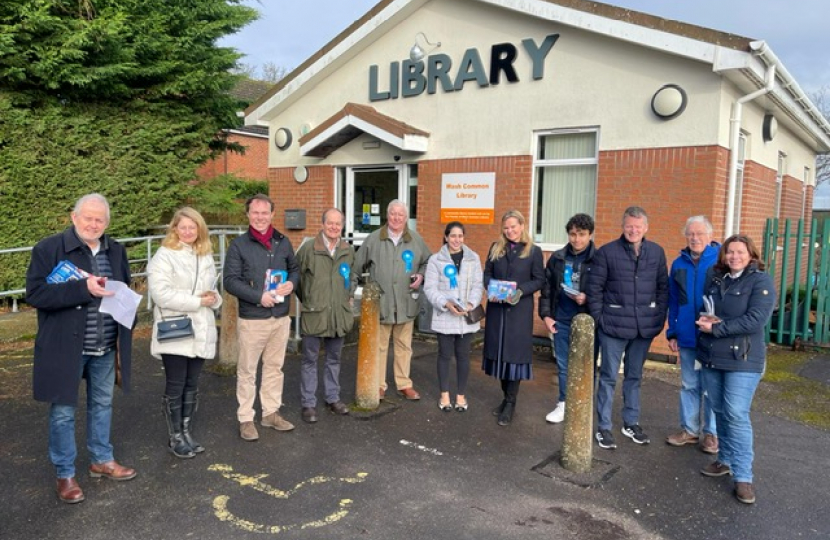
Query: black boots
x=506, y=415
x=190, y=405
x=173, y=416
x=508, y=405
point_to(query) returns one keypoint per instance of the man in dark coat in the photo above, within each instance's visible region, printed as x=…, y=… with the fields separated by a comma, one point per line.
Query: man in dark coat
x=628, y=295
x=76, y=340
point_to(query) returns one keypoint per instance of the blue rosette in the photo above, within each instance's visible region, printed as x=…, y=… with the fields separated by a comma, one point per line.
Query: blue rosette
x=345, y=271
x=452, y=274
x=407, y=257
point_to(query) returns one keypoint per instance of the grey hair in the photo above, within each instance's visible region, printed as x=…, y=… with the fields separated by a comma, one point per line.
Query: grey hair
x=635, y=212
x=396, y=202
x=698, y=219
x=332, y=209
x=96, y=197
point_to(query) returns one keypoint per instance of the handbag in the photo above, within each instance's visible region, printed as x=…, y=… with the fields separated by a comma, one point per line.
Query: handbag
x=174, y=328
x=475, y=314
x=180, y=326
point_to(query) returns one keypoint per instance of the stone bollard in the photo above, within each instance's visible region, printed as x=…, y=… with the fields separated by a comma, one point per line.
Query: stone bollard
x=368, y=379
x=577, y=447
x=228, y=343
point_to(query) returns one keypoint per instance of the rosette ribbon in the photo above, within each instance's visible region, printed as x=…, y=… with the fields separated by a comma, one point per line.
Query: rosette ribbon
x=407, y=257
x=452, y=274
x=345, y=271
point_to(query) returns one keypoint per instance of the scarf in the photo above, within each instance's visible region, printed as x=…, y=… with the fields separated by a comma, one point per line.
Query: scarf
x=262, y=238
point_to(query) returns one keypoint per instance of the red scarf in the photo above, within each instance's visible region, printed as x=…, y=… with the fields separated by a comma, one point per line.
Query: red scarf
x=262, y=238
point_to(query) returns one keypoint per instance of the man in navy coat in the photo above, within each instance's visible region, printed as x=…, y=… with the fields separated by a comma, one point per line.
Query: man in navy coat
x=76, y=340
x=628, y=296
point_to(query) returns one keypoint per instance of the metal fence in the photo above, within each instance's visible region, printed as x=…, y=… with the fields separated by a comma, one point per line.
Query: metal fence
x=797, y=256
x=140, y=250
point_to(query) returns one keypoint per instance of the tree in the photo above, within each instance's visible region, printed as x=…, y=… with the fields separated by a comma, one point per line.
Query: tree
x=821, y=99
x=123, y=97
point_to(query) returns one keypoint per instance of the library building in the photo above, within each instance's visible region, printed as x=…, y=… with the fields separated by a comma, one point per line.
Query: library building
x=465, y=109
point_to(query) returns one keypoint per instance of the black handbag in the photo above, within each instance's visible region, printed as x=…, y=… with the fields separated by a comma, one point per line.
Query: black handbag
x=174, y=328
x=179, y=326
x=475, y=314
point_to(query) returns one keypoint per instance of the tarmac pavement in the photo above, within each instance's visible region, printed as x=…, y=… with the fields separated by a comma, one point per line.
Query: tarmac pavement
x=416, y=472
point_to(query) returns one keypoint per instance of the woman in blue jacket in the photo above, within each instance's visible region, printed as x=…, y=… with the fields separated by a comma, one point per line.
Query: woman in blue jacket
x=733, y=353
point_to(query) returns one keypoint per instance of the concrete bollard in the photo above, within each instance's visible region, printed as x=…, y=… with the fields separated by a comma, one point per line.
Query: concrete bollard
x=577, y=447
x=368, y=378
x=228, y=343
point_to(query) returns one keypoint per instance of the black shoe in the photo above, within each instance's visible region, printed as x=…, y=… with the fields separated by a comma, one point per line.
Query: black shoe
x=635, y=433
x=605, y=439
x=338, y=407
x=497, y=411
x=506, y=415
x=309, y=415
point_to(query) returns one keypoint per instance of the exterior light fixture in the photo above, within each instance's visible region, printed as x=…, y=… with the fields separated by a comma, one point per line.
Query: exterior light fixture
x=769, y=128
x=282, y=138
x=418, y=52
x=669, y=102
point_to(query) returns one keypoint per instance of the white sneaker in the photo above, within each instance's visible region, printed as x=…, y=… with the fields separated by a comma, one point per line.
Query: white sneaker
x=557, y=414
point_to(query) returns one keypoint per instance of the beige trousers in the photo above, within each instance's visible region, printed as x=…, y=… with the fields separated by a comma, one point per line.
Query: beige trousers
x=266, y=338
x=402, y=348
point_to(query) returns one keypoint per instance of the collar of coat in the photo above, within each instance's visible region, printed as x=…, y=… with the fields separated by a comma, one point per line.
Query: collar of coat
x=405, y=237
x=320, y=243
x=71, y=241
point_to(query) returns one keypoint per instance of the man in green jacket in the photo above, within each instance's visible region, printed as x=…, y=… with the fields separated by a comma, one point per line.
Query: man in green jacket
x=326, y=292
x=396, y=259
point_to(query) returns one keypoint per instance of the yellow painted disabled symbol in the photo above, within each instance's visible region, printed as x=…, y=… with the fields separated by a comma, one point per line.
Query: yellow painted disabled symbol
x=220, y=503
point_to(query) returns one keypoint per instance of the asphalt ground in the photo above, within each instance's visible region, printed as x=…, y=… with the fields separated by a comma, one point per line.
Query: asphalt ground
x=413, y=472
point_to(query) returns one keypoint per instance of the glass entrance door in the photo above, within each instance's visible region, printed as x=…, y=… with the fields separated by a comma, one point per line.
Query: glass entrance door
x=369, y=190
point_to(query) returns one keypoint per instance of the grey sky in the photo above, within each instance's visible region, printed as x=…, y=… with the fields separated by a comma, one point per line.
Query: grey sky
x=288, y=32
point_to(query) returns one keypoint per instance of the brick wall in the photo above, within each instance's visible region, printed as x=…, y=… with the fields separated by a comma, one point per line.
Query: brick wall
x=252, y=165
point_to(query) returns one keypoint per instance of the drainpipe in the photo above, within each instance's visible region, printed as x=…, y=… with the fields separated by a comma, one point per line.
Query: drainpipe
x=758, y=47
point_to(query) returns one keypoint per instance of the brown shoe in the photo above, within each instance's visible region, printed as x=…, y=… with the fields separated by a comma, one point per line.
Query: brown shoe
x=681, y=439
x=112, y=470
x=744, y=492
x=714, y=469
x=338, y=407
x=410, y=394
x=276, y=421
x=69, y=491
x=248, y=432
x=710, y=444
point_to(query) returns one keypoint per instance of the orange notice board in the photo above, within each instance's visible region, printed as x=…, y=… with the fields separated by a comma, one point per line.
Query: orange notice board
x=468, y=198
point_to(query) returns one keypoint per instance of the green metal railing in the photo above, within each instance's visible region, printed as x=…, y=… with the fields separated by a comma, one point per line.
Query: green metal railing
x=798, y=259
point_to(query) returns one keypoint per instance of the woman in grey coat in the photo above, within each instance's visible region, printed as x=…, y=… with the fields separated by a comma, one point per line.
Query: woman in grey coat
x=453, y=285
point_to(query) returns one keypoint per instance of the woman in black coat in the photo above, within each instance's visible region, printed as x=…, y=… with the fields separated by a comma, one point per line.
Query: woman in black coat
x=508, y=334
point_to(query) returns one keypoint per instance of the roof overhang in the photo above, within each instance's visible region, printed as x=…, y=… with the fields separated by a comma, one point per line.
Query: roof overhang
x=354, y=120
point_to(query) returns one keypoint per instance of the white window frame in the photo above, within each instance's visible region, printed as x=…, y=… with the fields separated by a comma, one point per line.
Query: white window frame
x=779, y=182
x=538, y=136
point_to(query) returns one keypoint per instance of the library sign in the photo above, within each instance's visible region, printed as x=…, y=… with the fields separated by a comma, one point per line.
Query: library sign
x=468, y=198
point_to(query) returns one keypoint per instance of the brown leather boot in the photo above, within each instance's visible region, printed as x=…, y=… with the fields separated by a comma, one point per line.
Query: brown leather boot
x=69, y=491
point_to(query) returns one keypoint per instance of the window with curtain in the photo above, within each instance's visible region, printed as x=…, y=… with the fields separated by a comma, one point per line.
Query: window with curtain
x=565, y=167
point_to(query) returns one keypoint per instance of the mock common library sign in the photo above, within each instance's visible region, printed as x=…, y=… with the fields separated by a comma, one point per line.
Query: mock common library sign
x=468, y=198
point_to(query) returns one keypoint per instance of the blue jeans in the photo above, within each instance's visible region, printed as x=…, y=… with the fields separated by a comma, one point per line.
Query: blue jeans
x=731, y=393
x=99, y=372
x=331, y=373
x=561, y=350
x=692, y=393
x=635, y=351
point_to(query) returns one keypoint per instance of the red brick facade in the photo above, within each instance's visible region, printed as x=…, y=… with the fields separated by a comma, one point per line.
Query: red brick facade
x=670, y=183
x=253, y=165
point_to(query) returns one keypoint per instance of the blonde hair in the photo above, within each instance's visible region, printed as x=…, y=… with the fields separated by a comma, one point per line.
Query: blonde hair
x=499, y=247
x=201, y=246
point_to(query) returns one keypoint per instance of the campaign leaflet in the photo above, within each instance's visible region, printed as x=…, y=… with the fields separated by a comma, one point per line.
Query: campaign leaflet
x=273, y=279
x=499, y=290
x=65, y=271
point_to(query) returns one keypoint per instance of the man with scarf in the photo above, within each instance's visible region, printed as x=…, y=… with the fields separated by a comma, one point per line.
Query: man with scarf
x=260, y=270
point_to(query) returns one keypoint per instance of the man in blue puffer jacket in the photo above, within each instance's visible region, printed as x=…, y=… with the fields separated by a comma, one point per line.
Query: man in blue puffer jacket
x=628, y=294
x=686, y=281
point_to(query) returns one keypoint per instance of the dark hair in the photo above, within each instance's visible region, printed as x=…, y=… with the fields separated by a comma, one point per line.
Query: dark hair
x=580, y=221
x=259, y=197
x=754, y=254
x=453, y=225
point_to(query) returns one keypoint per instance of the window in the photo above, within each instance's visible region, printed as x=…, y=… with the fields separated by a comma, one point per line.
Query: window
x=565, y=168
x=804, y=192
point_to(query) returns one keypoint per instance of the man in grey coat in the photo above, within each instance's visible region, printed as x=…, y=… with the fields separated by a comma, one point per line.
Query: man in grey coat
x=396, y=259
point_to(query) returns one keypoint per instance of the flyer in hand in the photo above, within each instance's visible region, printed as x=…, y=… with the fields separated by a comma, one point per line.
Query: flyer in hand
x=273, y=279
x=65, y=271
x=570, y=291
x=500, y=290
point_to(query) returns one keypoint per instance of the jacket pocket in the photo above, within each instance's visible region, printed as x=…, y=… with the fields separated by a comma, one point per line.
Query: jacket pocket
x=314, y=321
